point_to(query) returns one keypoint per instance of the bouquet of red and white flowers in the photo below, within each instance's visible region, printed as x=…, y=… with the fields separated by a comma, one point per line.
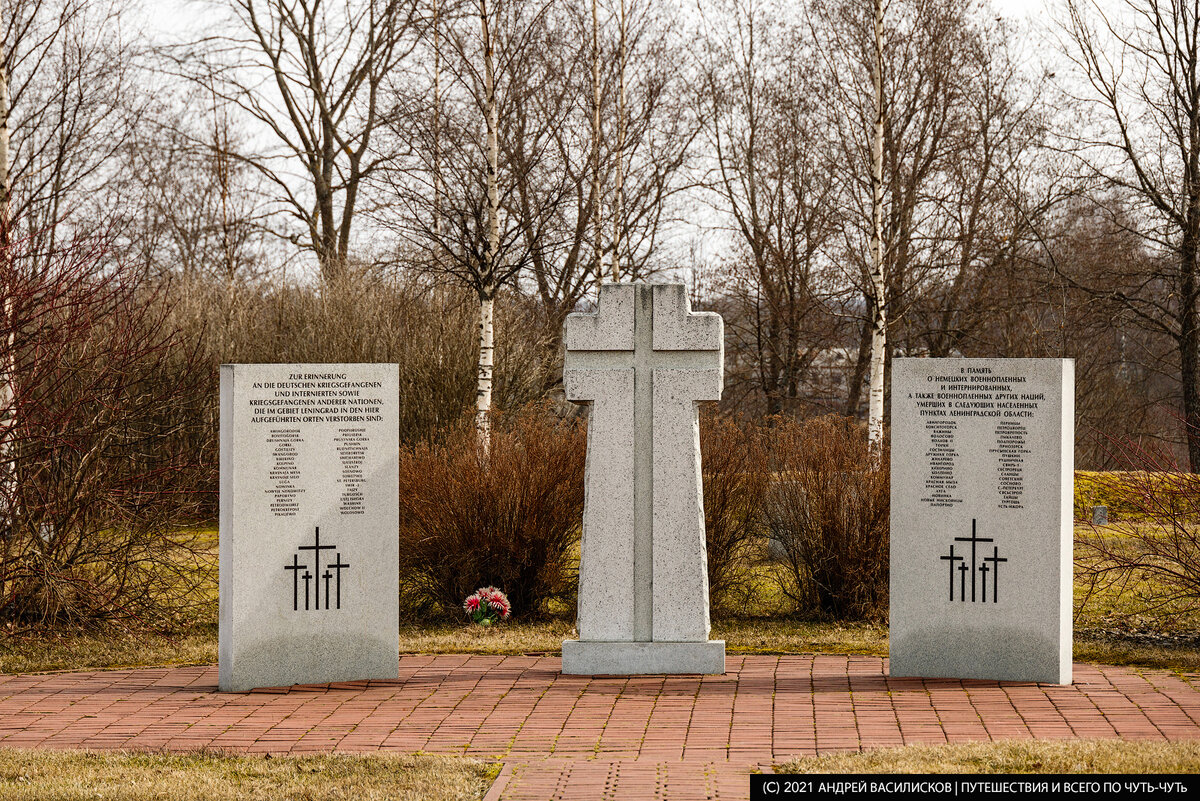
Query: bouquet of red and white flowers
x=487, y=606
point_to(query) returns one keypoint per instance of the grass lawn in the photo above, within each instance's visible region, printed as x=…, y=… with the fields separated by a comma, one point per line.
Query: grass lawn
x=1024, y=756
x=1111, y=627
x=70, y=650
x=122, y=776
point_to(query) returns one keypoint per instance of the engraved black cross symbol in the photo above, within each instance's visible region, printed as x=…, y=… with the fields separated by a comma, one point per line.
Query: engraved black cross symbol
x=316, y=548
x=973, y=540
x=995, y=559
x=296, y=567
x=339, y=566
x=951, y=559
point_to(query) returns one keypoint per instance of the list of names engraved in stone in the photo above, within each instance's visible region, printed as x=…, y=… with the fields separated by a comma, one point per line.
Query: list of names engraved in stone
x=975, y=396
x=941, y=482
x=1010, y=450
x=308, y=398
x=352, y=451
x=284, y=472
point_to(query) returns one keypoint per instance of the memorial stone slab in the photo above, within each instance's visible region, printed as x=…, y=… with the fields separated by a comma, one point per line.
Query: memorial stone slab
x=308, y=524
x=643, y=362
x=982, y=456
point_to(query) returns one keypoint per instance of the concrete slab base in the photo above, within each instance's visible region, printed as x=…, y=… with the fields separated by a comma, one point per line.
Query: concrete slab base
x=599, y=658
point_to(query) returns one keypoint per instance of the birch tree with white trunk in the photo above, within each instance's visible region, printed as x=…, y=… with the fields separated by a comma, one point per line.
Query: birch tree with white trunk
x=488, y=286
x=458, y=206
x=7, y=393
x=898, y=71
x=618, y=215
x=878, y=278
x=597, y=198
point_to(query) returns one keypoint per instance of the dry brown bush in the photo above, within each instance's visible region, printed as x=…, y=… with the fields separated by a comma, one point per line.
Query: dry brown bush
x=735, y=485
x=1149, y=556
x=508, y=519
x=104, y=449
x=828, y=512
x=429, y=331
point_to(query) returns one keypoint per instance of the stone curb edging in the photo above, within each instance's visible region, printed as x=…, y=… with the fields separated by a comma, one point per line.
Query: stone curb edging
x=499, y=783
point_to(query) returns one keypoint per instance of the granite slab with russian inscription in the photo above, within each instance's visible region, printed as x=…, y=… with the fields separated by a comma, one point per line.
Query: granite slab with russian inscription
x=308, y=524
x=982, y=470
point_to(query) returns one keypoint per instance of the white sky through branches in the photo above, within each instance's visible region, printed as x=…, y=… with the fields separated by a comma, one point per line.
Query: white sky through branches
x=186, y=18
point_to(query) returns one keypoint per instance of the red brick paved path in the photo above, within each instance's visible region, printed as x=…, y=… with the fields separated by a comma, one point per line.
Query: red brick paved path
x=581, y=737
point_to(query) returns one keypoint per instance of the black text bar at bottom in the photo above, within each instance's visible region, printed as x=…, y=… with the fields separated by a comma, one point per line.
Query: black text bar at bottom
x=779, y=786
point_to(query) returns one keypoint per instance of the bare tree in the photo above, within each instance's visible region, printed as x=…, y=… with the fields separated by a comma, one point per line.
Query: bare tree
x=1140, y=62
x=468, y=231
x=994, y=195
x=547, y=216
x=913, y=79
x=312, y=73
x=773, y=176
x=192, y=205
x=641, y=172
x=74, y=104
x=67, y=107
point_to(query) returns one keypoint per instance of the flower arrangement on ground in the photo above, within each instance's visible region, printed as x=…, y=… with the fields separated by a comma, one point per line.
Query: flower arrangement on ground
x=487, y=606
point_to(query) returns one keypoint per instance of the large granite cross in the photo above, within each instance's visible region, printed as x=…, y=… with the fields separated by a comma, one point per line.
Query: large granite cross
x=643, y=361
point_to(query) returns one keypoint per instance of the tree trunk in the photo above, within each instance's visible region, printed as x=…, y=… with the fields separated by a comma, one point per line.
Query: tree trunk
x=597, y=217
x=861, y=362
x=483, y=388
x=5, y=137
x=619, y=179
x=9, y=365
x=1189, y=348
x=878, y=281
x=1189, y=272
x=483, y=396
x=437, y=125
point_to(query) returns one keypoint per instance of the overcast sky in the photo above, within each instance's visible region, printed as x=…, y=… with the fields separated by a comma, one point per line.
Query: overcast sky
x=186, y=17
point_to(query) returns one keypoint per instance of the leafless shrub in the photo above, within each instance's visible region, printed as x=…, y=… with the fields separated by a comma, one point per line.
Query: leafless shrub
x=104, y=450
x=508, y=518
x=430, y=331
x=735, y=483
x=828, y=512
x=1149, y=557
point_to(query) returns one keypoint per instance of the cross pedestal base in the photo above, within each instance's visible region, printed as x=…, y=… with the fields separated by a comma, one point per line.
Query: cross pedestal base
x=600, y=658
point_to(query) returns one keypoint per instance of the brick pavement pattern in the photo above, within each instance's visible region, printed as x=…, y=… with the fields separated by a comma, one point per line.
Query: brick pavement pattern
x=641, y=737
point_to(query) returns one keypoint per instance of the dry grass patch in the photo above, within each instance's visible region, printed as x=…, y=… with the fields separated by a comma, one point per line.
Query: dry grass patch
x=1069, y=756
x=509, y=638
x=67, y=650
x=744, y=636
x=1104, y=651
x=98, y=650
x=783, y=636
x=124, y=776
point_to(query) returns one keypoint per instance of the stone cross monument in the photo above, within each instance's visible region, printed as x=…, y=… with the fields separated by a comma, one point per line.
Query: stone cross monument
x=643, y=361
